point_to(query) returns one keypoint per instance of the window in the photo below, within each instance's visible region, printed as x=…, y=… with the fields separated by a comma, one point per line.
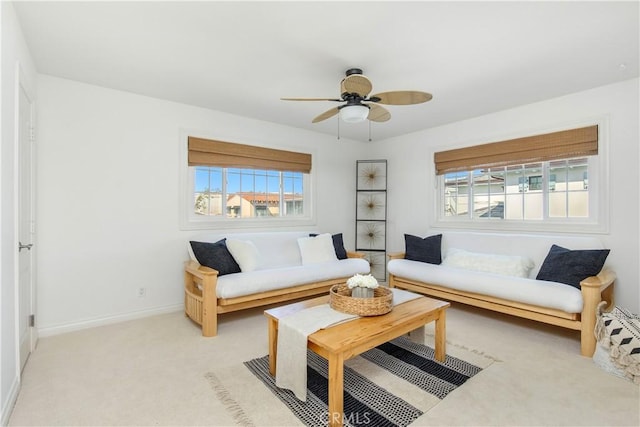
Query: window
x=247, y=193
x=517, y=184
x=517, y=192
x=228, y=183
x=535, y=182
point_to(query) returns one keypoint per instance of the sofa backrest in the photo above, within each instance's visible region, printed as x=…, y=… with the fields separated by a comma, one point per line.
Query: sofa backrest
x=276, y=248
x=535, y=247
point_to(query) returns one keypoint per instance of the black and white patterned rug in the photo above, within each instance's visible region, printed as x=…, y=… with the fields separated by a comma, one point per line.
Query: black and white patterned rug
x=366, y=402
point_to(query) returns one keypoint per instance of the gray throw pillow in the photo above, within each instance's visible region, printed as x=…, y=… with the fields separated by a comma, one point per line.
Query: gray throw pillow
x=216, y=256
x=424, y=250
x=570, y=267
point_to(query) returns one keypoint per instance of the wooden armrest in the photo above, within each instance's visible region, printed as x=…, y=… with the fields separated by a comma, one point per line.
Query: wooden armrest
x=594, y=290
x=603, y=280
x=200, y=282
x=351, y=254
x=198, y=270
x=396, y=255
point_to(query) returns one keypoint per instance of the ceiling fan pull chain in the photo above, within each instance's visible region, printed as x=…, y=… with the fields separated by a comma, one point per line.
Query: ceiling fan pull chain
x=369, y=130
x=338, y=129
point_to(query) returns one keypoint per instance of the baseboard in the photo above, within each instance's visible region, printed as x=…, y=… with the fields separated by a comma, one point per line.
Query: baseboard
x=106, y=320
x=9, y=403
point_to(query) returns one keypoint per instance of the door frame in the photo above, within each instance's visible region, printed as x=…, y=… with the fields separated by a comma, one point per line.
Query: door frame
x=23, y=83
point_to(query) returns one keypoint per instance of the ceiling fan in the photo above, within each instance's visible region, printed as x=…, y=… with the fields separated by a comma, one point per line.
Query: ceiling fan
x=359, y=105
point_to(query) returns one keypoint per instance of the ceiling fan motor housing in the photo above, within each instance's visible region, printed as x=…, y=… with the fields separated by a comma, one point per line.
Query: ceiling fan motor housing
x=352, y=99
x=351, y=71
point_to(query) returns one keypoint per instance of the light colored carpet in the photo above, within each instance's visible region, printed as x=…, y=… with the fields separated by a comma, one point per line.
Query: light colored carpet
x=152, y=372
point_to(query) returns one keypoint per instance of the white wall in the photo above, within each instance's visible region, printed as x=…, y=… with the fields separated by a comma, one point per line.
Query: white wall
x=109, y=190
x=411, y=171
x=14, y=51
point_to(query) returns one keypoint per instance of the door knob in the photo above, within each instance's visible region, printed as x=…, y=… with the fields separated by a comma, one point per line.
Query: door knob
x=21, y=246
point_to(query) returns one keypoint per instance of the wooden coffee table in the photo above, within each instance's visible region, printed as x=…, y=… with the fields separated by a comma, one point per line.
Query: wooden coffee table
x=349, y=339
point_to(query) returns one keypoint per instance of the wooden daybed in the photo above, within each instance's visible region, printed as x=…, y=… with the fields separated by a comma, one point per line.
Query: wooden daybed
x=518, y=293
x=203, y=306
x=594, y=290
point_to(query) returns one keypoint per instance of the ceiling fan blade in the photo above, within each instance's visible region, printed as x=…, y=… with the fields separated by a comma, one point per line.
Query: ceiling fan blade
x=401, y=97
x=324, y=116
x=356, y=83
x=311, y=99
x=378, y=113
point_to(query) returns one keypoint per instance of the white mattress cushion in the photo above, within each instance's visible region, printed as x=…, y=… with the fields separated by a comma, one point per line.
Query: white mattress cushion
x=275, y=249
x=531, y=246
x=530, y=291
x=278, y=249
x=240, y=284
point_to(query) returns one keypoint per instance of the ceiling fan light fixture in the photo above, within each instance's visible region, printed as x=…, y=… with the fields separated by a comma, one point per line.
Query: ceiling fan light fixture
x=354, y=113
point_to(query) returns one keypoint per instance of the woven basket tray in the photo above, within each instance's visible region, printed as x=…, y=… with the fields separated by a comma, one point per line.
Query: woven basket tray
x=340, y=299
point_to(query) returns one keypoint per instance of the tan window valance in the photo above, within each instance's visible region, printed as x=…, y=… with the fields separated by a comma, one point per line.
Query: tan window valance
x=207, y=152
x=537, y=148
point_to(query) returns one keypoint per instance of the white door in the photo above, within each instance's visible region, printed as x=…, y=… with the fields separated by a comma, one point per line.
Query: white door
x=26, y=224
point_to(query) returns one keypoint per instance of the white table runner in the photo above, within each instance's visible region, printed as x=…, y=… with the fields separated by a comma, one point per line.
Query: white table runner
x=293, y=332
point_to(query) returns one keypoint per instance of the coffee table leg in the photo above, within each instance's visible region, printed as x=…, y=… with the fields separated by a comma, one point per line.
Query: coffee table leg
x=441, y=336
x=336, y=389
x=273, y=345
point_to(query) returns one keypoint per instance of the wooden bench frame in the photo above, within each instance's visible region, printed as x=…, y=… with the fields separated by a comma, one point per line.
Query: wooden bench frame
x=203, y=307
x=594, y=290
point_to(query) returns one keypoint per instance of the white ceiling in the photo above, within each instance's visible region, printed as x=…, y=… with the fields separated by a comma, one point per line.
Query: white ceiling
x=241, y=57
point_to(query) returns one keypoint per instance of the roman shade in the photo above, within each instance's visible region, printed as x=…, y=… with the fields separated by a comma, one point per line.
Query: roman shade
x=538, y=148
x=208, y=152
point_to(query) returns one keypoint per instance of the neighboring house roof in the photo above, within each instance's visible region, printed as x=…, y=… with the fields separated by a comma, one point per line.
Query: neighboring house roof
x=484, y=178
x=497, y=211
x=264, y=198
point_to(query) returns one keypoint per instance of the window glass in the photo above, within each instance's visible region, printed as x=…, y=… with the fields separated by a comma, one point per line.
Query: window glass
x=456, y=194
x=526, y=192
x=208, y=191
x=247, y=193
x=292, y=189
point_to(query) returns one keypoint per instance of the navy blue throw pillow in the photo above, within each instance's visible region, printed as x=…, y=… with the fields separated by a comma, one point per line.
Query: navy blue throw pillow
x=338, y=245
x=215, y=255
x=423, y=250
x=571, y=266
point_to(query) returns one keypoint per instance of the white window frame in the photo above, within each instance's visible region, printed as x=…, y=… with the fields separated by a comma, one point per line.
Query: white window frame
x=597, y=223
x=190, y=221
